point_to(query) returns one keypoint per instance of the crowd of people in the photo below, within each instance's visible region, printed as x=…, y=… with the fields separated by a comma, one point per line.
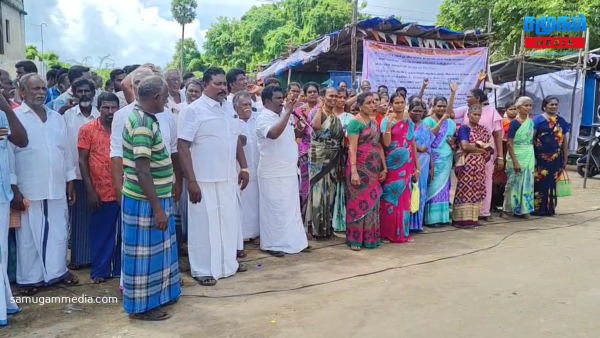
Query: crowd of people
x=131, y=174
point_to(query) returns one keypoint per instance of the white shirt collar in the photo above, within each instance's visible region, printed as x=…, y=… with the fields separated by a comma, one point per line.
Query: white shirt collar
x=25, y=108
x=211, y=103
x=94, y=114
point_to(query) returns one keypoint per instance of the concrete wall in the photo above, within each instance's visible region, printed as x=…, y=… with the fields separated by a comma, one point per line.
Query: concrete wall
x=13, y=47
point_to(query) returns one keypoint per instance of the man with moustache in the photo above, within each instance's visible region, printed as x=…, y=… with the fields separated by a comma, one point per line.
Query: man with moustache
x=116, y=78
x=242, y=103
x=83, y=113
x=66, y=100
x=44, y=173
x=281, y=228
x=209, y=145
x=94, y=163
x=8, y=88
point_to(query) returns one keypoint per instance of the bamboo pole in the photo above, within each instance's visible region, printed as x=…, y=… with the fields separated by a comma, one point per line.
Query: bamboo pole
x=353, y=47
x=520, y=61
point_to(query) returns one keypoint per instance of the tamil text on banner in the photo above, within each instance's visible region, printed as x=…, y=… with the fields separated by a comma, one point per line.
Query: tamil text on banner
x=400, y=66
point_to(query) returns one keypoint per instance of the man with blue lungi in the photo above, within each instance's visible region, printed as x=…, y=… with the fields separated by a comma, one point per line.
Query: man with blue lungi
x=150, y=268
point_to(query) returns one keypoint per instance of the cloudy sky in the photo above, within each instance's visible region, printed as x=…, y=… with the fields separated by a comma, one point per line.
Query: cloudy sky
x=138, y=31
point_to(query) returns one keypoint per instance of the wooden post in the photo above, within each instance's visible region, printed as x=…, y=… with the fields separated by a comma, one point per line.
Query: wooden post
x=353, y=47
x=521, y=59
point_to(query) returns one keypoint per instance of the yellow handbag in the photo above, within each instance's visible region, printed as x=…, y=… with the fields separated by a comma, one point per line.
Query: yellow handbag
x=415, y=198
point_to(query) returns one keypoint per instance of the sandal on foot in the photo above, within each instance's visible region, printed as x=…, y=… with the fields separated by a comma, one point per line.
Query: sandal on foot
x=355, y=248
x=71, y=279
x=206, y=281
x=151, y=316
x=28, y=291
x=98, y=280
x=276, y=253
x=242, y=268
x=241, y=254
x=75, y=267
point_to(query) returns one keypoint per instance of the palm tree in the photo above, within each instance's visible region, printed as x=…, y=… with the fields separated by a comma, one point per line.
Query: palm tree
x=184, y=12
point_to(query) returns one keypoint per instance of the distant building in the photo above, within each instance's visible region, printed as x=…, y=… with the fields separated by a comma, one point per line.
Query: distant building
x=12, y=34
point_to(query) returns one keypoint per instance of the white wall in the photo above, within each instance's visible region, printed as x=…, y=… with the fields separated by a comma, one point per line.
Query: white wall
x=14, y=50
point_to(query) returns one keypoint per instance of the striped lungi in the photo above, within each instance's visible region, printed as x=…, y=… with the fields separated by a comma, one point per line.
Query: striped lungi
x=150, y=268
x=80, y=215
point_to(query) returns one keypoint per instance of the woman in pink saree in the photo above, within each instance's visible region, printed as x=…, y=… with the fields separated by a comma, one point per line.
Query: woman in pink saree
x=400, y=151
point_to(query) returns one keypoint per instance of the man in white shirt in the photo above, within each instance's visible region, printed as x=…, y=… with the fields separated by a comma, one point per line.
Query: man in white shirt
x=44, y=173
x=236, y=82
x=176, y=94
x=281, y=228
x=242, y=103
x=75, y=118
x=209, y=145
x=116, y=77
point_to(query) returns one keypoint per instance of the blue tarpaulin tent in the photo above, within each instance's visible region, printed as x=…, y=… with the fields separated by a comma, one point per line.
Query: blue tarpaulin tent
x=331, y=52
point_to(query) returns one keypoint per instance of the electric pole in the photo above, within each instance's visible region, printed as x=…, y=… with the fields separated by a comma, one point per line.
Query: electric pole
x=353, y=47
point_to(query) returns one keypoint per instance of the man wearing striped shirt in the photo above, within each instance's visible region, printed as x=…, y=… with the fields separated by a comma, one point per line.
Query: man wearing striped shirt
x=150, y=268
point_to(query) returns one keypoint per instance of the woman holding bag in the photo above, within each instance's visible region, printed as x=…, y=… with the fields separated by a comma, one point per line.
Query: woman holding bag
x=521, y=162
x=551, y=145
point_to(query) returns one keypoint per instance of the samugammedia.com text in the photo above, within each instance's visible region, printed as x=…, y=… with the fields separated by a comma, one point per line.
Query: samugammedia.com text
x=83, y=299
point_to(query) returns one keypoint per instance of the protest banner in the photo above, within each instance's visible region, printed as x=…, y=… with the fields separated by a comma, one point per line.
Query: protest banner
x=400, y=66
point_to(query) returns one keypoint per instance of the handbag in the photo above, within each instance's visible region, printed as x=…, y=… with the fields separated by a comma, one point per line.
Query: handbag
x=563, y=185
x=414, y=198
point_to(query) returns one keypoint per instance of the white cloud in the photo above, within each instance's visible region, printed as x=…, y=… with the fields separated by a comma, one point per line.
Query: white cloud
x=128, y=30
x=139, y=31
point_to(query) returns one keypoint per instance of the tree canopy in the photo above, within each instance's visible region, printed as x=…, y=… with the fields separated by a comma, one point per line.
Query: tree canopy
x=508, y=17
x=192, y=57
x=267, y=31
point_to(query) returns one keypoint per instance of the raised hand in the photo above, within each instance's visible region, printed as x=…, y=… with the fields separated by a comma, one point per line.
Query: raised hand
x=453, y=87
x=481, y=75
x=425, y=82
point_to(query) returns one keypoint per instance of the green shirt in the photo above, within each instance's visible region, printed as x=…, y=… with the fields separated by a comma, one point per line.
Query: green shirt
x=142, y=139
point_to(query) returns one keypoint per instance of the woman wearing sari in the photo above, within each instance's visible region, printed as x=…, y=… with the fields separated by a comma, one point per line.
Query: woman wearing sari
x=423, y=139
x=551, y=145
x=311, y=91
x=521, y=164
x=325, y=158
x=499, y=178
x=437, y=205
x=339, y=211
x=365, y=170
x=400, y=154
x=475, y=151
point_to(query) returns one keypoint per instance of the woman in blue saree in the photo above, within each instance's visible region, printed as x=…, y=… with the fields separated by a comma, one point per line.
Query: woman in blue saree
x=437, y=206
x=423, y=139
x=551, y=145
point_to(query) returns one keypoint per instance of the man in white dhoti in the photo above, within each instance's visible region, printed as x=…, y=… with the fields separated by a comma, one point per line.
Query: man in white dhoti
x=242, y=103
x=44, y=171
x=209, y=146
x=281, y=228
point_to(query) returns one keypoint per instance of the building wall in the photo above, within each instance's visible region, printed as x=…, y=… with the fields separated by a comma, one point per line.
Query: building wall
x=12, y=45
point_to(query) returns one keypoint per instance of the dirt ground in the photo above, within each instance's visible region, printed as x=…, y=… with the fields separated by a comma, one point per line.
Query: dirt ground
x=537, y=278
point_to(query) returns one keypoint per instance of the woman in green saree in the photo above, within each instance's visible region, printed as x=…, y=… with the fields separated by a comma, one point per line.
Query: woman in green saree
x=325, y=165
x=521, y=163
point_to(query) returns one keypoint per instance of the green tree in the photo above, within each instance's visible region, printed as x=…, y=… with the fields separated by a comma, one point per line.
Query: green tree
x=267, y=31
x=192, y=56
x=508, y=17
x=184, y=12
